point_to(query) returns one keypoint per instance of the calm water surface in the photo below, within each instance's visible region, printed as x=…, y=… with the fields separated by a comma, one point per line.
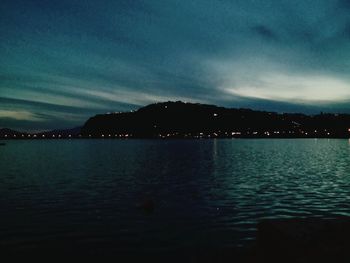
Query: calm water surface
x=207, y=193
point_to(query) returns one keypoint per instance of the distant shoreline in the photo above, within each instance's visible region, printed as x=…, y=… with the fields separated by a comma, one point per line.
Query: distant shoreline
x=174, y=120
x=165, y=138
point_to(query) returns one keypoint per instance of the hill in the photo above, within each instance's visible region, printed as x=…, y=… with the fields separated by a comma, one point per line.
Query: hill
x=179, y=119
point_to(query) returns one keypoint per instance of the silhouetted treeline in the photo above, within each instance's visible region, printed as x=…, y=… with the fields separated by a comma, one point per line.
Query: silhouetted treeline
x=189, y=120
x=178, y=119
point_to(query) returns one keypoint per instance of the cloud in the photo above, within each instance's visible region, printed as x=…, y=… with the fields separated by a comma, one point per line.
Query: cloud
x=20, y=115
x=264, y=32
x=297, y=89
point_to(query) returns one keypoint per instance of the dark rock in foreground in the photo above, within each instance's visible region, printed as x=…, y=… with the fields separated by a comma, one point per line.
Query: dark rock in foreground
x=303, y=240
x=280, y=240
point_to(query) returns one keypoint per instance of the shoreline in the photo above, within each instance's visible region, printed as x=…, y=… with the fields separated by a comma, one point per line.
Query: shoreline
x=158, y=138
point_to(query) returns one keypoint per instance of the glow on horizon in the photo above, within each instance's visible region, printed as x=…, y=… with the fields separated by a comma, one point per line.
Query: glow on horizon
x=290, y=88
x=20, y=115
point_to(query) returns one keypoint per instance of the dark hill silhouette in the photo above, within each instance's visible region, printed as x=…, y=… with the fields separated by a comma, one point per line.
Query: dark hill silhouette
x=179, y=119
x=190, y=120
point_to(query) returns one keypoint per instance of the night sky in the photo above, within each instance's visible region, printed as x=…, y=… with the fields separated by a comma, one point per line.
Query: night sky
x=64, y=61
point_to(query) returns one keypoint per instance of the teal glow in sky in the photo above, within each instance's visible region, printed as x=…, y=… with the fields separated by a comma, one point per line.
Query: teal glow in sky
x=64, y=61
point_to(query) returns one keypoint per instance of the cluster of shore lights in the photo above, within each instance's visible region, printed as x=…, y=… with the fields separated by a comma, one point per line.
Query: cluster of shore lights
x=167, y=135
x=115, y=135
x=37, y=136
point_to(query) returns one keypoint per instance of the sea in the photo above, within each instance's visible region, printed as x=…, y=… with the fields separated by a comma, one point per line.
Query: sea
x=121, y=197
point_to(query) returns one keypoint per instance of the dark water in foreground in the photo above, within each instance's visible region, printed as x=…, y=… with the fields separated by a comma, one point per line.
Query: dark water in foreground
x=206, y=193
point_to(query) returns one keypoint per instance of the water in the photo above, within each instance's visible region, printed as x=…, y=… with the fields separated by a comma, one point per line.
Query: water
x=206, y=193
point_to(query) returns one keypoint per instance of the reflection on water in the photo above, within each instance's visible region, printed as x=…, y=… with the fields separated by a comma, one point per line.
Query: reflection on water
x=203, y=192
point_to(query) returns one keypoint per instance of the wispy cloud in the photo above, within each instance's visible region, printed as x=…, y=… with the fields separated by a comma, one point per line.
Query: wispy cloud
x=310, y=89
x=20, y=115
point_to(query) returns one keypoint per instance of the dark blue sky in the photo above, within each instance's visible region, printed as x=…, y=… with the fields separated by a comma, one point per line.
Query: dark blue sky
x=64, y=61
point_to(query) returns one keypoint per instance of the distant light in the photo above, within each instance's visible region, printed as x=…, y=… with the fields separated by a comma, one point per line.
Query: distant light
x=102, y=135
x=69, y=135
x=328, y=133
x=43, y=135
x=215, y=114
x=5, y=135
x=53, y=136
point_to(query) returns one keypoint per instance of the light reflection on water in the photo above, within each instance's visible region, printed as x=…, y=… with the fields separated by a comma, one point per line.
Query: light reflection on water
x=206, y=192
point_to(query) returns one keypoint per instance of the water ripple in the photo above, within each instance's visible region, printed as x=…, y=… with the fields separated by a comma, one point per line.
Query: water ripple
x=205, y=192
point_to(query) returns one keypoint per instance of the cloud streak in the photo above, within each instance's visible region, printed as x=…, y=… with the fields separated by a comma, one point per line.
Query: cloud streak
x=19, y=115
